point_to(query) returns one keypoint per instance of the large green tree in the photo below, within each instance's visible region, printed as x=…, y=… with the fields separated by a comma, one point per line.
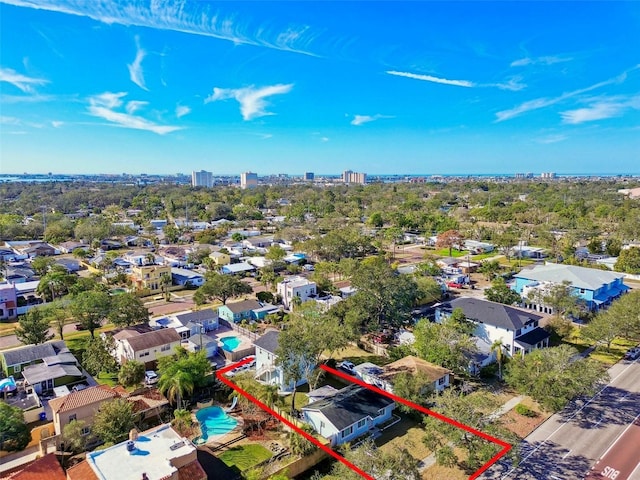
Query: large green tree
x=55, y=283
x=555, y=375
x=114, y=420
x=628, y=260
x=97, y=356
x=75, y=437
x=223, y=287
x=448, y=343
x=448, y=441
x=14, y=433
x=501, y=293
x=383, y=296
x=621, y=319
x=33, y=328
x=90, y=308
x=126, y=309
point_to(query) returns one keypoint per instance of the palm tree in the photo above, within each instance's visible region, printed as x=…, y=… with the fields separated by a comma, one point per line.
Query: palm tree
x=270, y=395
x=182, y=421
x=497, y=346
x=299, y=444
x=176, y=386
x=165, y=283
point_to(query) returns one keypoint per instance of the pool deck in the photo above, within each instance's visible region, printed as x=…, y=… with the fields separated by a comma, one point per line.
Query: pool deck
x=224, y=331
x=215, y=440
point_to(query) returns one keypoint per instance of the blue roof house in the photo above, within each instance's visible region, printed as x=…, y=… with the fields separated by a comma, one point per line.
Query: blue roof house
x=597, y=288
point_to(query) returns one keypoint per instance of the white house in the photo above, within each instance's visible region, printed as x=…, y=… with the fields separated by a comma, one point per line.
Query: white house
x=352, y=412
x=517, y=328
x=144, y=346
x=267, y=371
x=296, y=287
x=437, y=378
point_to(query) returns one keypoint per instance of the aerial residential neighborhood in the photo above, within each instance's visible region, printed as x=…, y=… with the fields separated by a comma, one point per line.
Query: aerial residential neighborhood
x=304, y=240
x=108, y=346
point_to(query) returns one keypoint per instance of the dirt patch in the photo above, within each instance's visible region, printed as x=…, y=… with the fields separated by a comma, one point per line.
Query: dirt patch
x=521, y=425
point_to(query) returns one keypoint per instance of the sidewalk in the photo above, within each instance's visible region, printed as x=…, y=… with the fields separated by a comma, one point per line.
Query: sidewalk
x=502, y=410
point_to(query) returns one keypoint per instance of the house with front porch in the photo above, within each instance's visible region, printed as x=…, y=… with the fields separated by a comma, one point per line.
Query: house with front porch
x=596, y=288
x=518, y=329
x=267, y=369
x=350, y=413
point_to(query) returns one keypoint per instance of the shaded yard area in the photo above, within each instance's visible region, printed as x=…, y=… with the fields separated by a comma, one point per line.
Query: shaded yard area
x=407, y=433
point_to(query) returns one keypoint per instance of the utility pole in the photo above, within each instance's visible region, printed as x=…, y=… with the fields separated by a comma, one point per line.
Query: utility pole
x=44, y=219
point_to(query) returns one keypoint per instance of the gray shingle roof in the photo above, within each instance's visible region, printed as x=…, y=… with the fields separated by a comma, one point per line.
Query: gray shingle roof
x=31, y=353
x=578, y=277
x=244, y=306
x=350, y=405
x=268, y=341
x=153, y=339
x=533, y=337
x=197, y=316
x=491, y=313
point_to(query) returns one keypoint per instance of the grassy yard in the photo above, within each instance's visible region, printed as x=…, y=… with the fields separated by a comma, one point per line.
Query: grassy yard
x=444, y=252
x=357, y=355
x=607, y=356
x=245, y=456
x=408, y=434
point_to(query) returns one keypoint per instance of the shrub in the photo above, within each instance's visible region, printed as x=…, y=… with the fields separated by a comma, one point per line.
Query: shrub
x=525, y=411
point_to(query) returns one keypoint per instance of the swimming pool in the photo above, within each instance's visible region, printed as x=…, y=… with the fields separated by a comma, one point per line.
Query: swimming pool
x=214, y=421
x=230, y=344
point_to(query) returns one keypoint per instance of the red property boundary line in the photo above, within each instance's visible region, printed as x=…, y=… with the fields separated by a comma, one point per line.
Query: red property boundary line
x=505, y=446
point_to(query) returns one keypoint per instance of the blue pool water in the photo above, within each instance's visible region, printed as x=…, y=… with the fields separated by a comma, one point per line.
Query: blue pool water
x=230, y=343
x=214, y=421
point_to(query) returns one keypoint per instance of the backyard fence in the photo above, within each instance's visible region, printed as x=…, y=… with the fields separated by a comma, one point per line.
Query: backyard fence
x=239, y=329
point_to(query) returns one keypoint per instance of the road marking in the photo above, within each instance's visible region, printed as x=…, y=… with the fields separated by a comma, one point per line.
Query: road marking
x=567, y=421
x=566, y=454
x=599, y=421
x=634, y=470
x=618, y=437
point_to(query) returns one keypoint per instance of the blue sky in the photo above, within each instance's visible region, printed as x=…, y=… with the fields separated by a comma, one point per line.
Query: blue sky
x=98, y=86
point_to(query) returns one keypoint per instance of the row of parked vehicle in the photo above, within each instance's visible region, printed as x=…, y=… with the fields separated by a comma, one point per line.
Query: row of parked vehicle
x=243, y=368
x=633, y=353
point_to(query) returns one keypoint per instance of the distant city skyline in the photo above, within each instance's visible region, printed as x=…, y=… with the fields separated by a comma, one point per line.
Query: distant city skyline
x=432, y=88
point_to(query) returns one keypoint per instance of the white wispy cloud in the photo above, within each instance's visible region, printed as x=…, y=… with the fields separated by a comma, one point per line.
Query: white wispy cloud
x=134, y=105
x=546, y=60
x=21, y=81
x=324, y=139
x=251, y=99
x=513, y=84
x=362, y=119
x=182, y=110
x=555, y=138
x=539, y=103
x=180, y=16
x=57, y=123
x=17, y=122
x=600, y=109
x=429, y=78
x=135, y=69
x=105, y=105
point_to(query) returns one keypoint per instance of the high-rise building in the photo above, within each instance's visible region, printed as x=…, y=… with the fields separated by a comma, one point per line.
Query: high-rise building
x=354, y=177
x=201, y=179
x=248, y=180
x=308, y=176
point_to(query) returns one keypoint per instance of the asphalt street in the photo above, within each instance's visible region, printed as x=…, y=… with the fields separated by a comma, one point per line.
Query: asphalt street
x=570, y=442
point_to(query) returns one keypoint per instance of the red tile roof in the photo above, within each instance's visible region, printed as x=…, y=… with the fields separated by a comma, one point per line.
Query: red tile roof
x=45, y=468
x=81, y=471
x=192, y=471
x=84, y=397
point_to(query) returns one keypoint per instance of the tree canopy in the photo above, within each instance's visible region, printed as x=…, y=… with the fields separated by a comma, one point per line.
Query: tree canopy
x=555, y=375
x=222, y=287
x=114, y=420
x=33, y=327
x=15, y=433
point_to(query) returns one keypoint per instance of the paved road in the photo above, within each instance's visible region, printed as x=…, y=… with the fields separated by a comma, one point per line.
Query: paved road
x=621, y=461
x=568, y=444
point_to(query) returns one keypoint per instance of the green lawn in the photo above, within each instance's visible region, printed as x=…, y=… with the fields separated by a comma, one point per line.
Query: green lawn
x=444, y=252
x=607, y=356
x=245, y=456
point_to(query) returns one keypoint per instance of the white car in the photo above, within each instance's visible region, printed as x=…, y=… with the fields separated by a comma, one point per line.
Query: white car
x=150, y=377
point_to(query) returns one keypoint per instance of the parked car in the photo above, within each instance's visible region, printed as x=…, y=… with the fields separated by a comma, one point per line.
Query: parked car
x=632, y=354
x=382, y=338
x=347, y=367
x=454, y=285
x=150, y=377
